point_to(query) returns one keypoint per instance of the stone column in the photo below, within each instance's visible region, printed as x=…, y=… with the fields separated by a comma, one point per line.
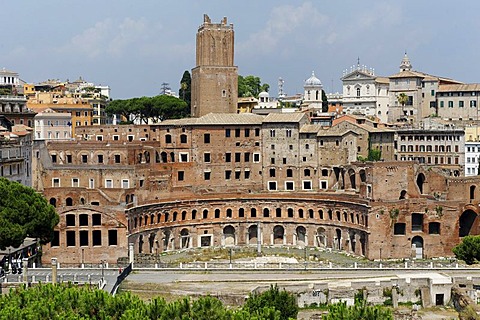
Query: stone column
x=130, y=252
x=25, y=270
x=54, y=270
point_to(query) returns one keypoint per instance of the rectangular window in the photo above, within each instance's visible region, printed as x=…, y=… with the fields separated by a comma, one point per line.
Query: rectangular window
x=228, y=157
x=180, y=175
x=100, y=158
x=206, y=138
x=324, y=184
x=70, y=220
x=227, y=133
x=272, y=185
x=84, y=158
x=56, y=182
x=83, y=220
x=56, y=239
x=247, y=174
x=460, y=104
x=108, y=183
x=272, y=133
x=117, y=158
x=75, y=183
x=450, y=104
x=473, y=103
x=237, y=174
x=228, y=174
x=238, y=156
x=288, y=133
x=247, y=133
x=96, y=219
x=246, y=157
x=257, y=132
x=256, y=157
x=442, y=104
x=237, y=133
x=206, y=175
x=54, y=158
x=206, y=157
x=70, y=238
x=69, y=158
x=116, y=138
x=183, y=156
x=91, y=183
x=289, y=185
x=399, y=229
x=112, y=237
x=125, y=183
x=307, y=185
x=96, y=237
x=417, y=222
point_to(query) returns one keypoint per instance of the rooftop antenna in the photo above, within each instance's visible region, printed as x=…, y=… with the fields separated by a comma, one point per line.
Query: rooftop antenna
x=281, y=94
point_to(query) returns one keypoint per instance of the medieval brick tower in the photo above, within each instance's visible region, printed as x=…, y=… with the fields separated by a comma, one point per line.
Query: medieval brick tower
x=215, y=78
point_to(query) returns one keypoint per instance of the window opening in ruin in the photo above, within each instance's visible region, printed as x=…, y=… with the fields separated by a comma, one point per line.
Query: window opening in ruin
x=83, y=238
x=54, y=158
x=253, y=213
x=194, y=214
x=330, y=215
x=339, y=217
x=181, y=175
x=83, y=220
x=96, y=219
x=206, y=138
x=56, y=239
x=227, y=133
x=289, y=185
x=403, y=195
x=300, y=213
x=53, y=202
x=320, y=214
x=266, y=213
x=434, y=228
x=472, y=192
x=229, y=213
x=70, y=238
x=307, y=185
x=417, y=222
x=183, y=138
x=278, y=213
x=184, y=215
x=399, y=228
x=112, y=237
x=290, y=212
x=272, y=185
x=217, y=213
x=117, y=158
x=420, y=182
x=174, y=218
x=95, y=203
x=205, y=214
x=466, y=222
x=69, y=158
x=241, y=213
x=168, y=138
x=69, y=202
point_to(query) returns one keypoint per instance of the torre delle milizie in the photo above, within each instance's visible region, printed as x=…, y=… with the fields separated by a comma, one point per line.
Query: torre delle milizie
x=222, y=179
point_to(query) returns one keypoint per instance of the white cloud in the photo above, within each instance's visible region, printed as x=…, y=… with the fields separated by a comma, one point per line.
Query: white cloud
x=285, y=24
x=112, y=38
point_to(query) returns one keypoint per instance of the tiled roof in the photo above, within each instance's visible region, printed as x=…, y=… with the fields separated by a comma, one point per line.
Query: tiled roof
x=382, y=80
x=409, y=73
x=284, y=117
x=310, y=128
x=218, y=119
x=335, y=131
x=459, y=87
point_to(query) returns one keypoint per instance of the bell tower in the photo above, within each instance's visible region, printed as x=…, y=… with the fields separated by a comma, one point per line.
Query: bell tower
x=214, y=78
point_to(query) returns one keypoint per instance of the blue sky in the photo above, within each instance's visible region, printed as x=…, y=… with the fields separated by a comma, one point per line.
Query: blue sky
x=134, y=46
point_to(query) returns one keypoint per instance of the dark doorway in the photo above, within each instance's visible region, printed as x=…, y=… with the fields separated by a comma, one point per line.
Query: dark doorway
x=420, y=182
x=466, y=222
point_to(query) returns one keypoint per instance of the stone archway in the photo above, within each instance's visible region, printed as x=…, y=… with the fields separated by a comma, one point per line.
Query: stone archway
x=301, y=236
x=421, y=182
x=184, y=238
x=229, y=236
x=252, y=234
x=278, y=235
x=466, y=222
x=417, y=247
x=321, y=237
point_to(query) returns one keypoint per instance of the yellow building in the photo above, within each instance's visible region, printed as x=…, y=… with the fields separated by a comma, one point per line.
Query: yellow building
x=472, y=133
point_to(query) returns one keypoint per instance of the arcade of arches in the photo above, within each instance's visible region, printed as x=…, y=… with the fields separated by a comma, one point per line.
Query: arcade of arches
x=323, y=224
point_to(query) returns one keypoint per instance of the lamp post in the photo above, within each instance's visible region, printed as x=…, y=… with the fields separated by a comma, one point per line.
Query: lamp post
x=103, y=264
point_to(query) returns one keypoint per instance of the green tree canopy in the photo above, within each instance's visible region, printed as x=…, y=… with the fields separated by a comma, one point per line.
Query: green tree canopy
x=280, y=300
x=185, y=92
x=468, y=250
x=340, y=311
x=67, y=301
x=156, y=108
x=402, y=98
x=24, y=213
x=251, y=86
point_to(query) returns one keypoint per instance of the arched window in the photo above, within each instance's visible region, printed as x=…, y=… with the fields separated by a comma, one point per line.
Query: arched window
x=69, y=202
x=53, y=202
x=358, y=92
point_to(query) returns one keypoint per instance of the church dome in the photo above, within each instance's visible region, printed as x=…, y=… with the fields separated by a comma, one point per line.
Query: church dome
x=313, y=81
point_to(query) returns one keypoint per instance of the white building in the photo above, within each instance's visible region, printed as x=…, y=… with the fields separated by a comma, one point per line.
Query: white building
x=472, y=158
x=364, y=93
x=51, y=125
